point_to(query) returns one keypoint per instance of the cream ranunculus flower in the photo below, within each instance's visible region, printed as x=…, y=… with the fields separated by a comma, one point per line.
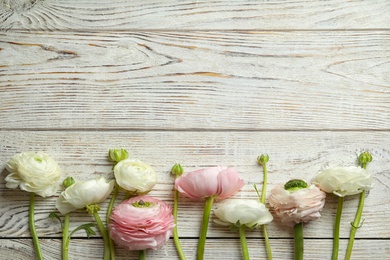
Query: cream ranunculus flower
x=343, y=181
x=251, y=213
x=84, y=193
x=135, y=176
x=33, y=172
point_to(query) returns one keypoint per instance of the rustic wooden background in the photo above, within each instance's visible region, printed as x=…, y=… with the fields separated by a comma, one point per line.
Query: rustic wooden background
x=200, y=83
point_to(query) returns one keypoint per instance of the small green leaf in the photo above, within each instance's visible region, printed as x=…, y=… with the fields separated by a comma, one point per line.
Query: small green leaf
x=54, y=215
x=86, y=227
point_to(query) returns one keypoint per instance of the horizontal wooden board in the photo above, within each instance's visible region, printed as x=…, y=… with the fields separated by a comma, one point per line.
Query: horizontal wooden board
x=21, y=249
x=195, y=80
x=216, y=14
x=82, y=154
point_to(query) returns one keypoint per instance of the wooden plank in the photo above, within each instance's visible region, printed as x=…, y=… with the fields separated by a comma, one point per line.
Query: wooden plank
x=215, y=249
x=82, y=154
x=187, y=15
x=195, y=80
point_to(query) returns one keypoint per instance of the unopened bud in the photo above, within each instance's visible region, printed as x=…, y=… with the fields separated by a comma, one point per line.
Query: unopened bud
x=177, y=169
x=263, y=159
x=69, y=181
x=117, y=155
x=365, y=158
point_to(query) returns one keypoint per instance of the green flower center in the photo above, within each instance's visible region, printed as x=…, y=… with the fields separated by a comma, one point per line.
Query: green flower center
x=295, y=185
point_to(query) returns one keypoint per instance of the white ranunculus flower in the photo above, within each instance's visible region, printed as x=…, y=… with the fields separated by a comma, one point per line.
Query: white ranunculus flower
x=84, y=193
x=33, y=172
x=135, y=176
x=251, y=213
x=343, y=181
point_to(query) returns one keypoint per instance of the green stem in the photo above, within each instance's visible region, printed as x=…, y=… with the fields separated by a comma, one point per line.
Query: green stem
x=264, y=189
x=33, y=231
x=141, y=255
x=109, y=211
x=244, y=245
x=356, y=222
x=267, y=243
x=355, y=225
x=104, y=233
x=205, y=224
x=336, y=230
x=175, y=232
x=65, y=237
x=298, y=241
x=262, y=200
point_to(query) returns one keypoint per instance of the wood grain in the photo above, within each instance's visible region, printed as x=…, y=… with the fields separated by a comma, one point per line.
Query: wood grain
x=197, y=80
x=21, y=249
x=82, y=154
x=186, y=15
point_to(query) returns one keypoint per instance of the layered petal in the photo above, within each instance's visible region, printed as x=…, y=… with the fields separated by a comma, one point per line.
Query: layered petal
x=33, y=172
x=220, y=182
x=83, y=193
x=135, y=176
x=141, y=222
x=344, y=181
x=251, y=213
x=297, y=206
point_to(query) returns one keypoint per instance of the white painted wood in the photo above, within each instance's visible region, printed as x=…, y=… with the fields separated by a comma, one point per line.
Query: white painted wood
x=195, y=80
x=82, y=154
x=171, y=14
x=20, y=249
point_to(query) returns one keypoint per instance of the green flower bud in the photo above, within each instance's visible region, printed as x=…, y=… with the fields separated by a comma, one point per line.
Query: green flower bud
x=263, y=159
x=69, y=181
x=117, y=155
x=177, y=169
x=295, y=184
x=365, y=158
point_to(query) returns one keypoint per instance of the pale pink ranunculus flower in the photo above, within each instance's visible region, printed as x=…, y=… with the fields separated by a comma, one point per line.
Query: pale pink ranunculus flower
x=220, y=182
x=297, y=206
x=141, y=222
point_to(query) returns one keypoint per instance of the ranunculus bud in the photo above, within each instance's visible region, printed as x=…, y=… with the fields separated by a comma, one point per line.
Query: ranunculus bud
x=69, y=181
x=220, y=182
x=365, y=158
x=141, y=222
x=344, y=181
x=250, y=213
x=177, y=169
x=33, y=172
x=84, y=193
x=117, y=155
x=135, y=176
x=263, y=159
x=297, y=204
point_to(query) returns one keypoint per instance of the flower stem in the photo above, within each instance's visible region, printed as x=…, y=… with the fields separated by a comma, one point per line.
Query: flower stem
x=298, y=241
x=205, y=224
x=262, y=200
x=175, y=232
x=141, y=255
x=358, y=216
x=65, y=237
x=104, y=233
x=336, y=230
x=109, y=211
x=355, y=225
x=33, y=231
x=267, y=243
x=244, y=245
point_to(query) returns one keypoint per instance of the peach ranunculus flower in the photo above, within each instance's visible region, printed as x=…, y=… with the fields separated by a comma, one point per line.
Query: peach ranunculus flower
x=297, y=205
x=141, y=222
x=344, y=181
x=218, y=182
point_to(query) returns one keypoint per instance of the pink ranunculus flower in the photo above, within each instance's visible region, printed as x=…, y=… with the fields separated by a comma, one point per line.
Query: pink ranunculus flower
x=219, y=182
x=296, y=206
x=141, y=222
